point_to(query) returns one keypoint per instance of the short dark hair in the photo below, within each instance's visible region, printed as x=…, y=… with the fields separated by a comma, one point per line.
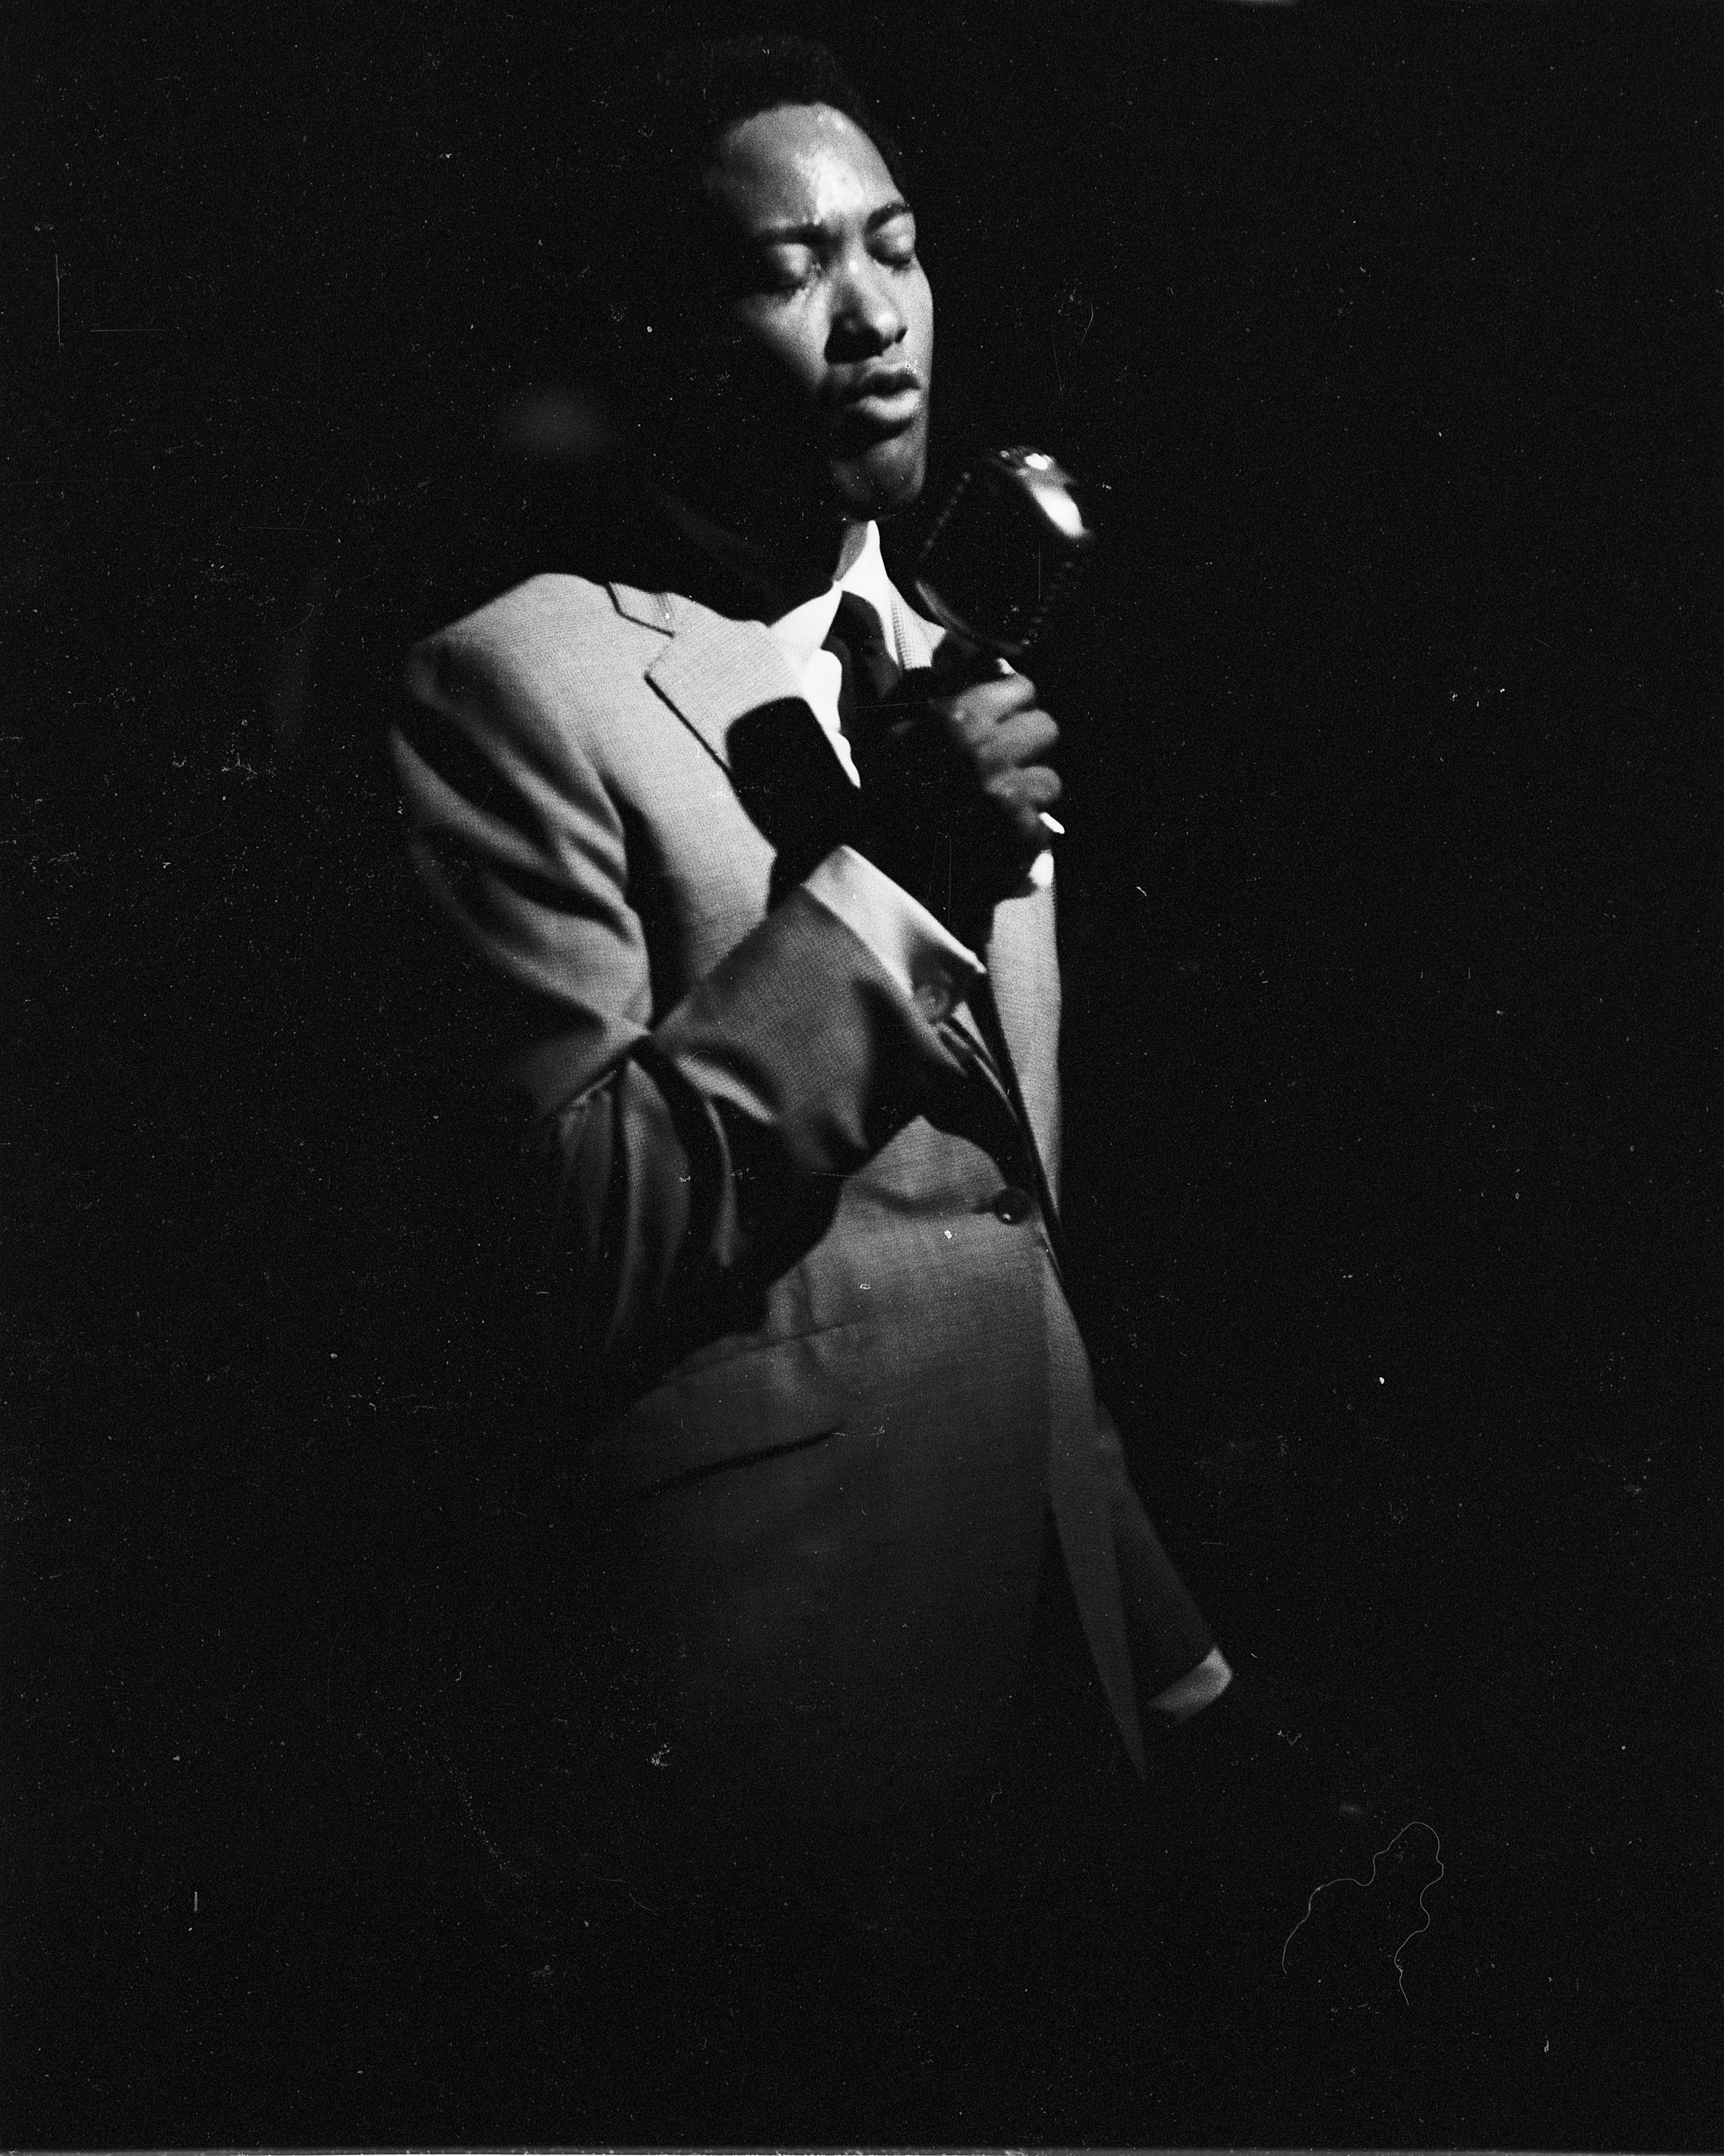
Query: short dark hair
x=700, y=91
x=666, y=127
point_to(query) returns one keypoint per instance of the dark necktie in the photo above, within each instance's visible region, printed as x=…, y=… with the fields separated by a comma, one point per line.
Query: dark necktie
x=857, y=641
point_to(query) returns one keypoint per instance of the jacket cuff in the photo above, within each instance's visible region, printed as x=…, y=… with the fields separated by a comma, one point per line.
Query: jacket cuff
x=924, y=958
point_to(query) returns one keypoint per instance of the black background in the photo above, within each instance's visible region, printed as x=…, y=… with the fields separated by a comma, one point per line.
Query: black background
x=1394, y=917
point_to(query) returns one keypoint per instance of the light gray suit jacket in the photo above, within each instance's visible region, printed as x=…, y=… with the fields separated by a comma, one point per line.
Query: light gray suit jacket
x=808, y=1350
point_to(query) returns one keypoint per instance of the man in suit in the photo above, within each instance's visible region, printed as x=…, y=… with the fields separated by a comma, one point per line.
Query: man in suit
x=759, y=862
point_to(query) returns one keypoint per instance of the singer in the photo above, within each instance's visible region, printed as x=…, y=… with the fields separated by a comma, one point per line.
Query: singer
x=753, y=864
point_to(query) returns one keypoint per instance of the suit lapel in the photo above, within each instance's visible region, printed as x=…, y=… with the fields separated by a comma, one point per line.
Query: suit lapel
x=714, y=670
x=1024, y=974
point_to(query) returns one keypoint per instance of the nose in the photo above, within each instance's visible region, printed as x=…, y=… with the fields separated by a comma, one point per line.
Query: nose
x=866, y=319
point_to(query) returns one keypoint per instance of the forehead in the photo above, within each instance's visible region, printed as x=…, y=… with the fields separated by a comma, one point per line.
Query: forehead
x=798, y=164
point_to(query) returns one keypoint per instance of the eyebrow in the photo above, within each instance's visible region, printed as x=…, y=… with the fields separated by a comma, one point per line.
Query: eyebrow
x=806, y=235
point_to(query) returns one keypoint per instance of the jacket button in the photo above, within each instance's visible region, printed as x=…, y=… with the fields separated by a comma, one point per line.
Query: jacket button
x=1013, y=1205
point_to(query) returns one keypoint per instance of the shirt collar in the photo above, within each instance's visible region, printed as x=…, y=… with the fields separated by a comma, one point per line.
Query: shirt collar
x=862, y=570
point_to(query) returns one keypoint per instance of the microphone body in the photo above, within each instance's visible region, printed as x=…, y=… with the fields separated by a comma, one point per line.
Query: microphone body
x=1004, y=550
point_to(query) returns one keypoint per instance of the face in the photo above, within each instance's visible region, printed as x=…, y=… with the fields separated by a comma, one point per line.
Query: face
x=825, y=345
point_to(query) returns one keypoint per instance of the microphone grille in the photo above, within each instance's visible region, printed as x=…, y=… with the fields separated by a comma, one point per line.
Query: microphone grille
x=1005, y=549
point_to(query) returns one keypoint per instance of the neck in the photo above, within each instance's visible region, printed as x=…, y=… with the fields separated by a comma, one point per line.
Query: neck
x=778, y=578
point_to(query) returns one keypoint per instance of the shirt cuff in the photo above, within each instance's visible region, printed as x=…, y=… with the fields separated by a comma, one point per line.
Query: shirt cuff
x=1197, y=1688
x=932, y=967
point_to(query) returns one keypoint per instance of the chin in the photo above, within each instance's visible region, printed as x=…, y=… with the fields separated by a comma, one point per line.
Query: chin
x=887, y=479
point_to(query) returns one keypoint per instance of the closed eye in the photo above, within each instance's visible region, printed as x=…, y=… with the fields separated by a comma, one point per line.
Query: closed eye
x=789, y=257
x=786, y=270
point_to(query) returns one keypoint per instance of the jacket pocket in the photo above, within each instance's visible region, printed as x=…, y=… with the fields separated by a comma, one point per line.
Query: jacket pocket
x=774, y=1398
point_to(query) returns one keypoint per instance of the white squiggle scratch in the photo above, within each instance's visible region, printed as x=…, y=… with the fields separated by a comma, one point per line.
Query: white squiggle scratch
x=1347, y=1878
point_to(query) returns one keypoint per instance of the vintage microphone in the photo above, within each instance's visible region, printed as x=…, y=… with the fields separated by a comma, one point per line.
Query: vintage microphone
x=1005, y=550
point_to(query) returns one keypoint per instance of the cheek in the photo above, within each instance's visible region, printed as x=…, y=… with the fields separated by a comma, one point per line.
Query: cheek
x=782, y=356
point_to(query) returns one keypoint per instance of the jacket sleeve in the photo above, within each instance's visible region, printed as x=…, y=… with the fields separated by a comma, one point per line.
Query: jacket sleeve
x=676, y=1161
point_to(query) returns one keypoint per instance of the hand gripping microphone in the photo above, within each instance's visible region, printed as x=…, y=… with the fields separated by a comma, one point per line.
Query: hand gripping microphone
x=1007, y=546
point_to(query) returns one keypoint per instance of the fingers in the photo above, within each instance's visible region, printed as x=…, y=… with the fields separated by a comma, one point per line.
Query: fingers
x=957, y=663
x=1029, y=737
x=1031, y=789
x=988, y=702
x=997, y=724
x=1020, y=800
x=997, y=731
x=973, y=764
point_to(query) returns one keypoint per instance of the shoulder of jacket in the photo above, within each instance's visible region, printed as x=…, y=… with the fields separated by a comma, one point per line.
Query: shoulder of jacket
x=557, y=666
x=547, y=611
x=559, y=633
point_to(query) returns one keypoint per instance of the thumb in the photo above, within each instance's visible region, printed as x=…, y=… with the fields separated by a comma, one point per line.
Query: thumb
x=958, y=664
